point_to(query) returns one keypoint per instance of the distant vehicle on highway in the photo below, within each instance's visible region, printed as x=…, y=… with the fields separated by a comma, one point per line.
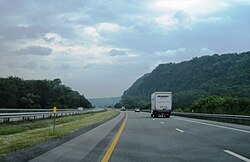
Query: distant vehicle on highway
x=137, y=110
x=161, y=104
x=80, y=108
x=123, y=109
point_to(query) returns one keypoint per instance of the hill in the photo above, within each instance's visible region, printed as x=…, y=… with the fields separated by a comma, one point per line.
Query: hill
x=217, y=75
x=104, y=102
x=18, y=93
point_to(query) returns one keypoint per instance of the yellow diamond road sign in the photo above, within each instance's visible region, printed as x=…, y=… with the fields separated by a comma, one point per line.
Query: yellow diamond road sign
x=54, y=110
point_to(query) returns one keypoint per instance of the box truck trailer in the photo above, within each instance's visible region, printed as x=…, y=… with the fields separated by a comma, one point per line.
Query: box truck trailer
x=161, y=104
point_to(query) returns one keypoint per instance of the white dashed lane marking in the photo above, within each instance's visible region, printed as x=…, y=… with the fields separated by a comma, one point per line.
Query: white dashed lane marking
x=214, y=125
x=179, y=130
x=237, y=155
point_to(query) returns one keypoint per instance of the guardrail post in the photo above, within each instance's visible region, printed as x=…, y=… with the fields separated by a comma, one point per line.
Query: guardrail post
x=54, y=122
x=6, y=120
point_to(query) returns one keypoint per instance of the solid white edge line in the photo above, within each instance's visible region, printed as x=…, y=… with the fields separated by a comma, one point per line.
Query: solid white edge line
x=179, y=130
x=219, y=126
x=237, y=155
x=162, y=123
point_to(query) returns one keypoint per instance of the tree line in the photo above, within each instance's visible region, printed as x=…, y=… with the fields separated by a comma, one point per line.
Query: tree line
x=219, y=105
x=41, y=94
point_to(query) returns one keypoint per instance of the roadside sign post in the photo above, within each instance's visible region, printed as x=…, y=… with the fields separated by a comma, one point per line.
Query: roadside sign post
x=54, y=123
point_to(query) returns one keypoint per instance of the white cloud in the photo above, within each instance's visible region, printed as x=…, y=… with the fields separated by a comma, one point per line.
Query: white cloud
x=72, y=17
x=206, y=51
x=166, y=22
x=193, y=7
x=171, y=52
x=108, y=27
x=172, y=14
x=117, y=52
x=91, y=33
x=53, y=37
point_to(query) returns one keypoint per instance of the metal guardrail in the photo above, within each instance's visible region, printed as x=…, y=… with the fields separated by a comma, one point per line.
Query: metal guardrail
x=143, y=110
x=5, y=110
x=11, y=117
x=238, y=119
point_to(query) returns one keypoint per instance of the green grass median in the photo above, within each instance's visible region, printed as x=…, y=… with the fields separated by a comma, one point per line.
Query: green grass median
x=16, y=136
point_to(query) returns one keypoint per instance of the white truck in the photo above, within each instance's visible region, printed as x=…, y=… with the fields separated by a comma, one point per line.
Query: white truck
x=161, y=104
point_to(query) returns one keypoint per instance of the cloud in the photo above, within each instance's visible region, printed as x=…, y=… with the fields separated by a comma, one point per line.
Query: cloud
x=72, y=17
x=205, y=51
x=193, y=7
x=14, y=32
x=166, y=22
x=96, y=39
x=108, y=27
x=116, y=52
x=172, y=14
x=171, y=52
x=53, y=37
x=65, y=66
x=35, y=50
x=89, y=34
x=30, y=65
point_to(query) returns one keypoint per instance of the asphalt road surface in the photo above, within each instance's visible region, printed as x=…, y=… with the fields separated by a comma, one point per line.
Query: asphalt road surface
x=174, y=139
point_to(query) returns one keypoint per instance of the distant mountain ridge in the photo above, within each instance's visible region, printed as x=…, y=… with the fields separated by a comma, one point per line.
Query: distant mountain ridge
x=222, y=75
x=104, y=102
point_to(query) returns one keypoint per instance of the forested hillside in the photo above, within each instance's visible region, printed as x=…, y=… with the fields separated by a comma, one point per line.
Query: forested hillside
x=217, y=75
x=18, y=93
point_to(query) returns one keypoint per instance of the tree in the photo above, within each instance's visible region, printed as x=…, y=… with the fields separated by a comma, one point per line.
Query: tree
x=19, y=93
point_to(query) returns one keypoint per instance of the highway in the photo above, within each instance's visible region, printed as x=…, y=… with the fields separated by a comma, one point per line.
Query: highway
x=174, y=139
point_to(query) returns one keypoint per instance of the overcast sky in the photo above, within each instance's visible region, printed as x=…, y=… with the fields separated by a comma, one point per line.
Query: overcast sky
x=100, y=47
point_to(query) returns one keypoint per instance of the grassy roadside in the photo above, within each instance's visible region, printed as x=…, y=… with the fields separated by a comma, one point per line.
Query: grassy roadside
x=17, y=136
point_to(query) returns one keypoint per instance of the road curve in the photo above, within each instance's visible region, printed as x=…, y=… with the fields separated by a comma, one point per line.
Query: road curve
x=174, y=139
